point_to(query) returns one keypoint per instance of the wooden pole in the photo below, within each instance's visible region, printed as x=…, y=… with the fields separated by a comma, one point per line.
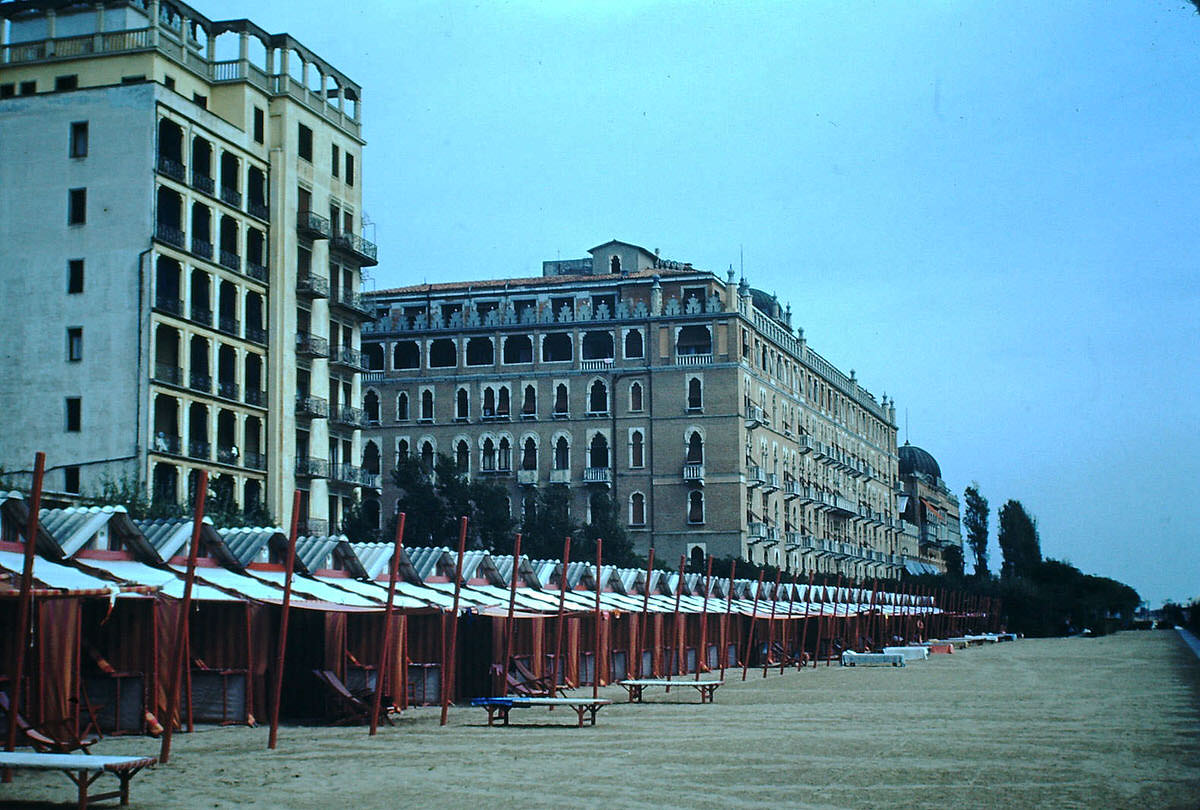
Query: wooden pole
x=183, y=633
x=385, y=651
x=820, y=625
x=750, y=633
x=512, y=605
x=723, y=653
x=642, y=622
x=562, y=599
x=281, y=649
x=833, y=623
x=702, y=659
x=804, y=630
x=448, y=680
x=596, y=643
x=675, y=620
x=771, y=621
x=25, y=603
x=783, y=659
x=870, y=633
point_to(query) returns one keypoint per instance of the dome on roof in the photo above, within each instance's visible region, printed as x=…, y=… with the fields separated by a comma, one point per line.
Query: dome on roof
x=914, y=459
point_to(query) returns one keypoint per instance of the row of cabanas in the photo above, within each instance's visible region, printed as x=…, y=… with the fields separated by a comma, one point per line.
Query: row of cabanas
x=107, y=600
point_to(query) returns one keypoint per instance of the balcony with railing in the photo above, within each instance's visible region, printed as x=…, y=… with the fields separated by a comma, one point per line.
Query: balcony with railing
x=202, y=182
x=356, y=246
x=791, y=488
x=170, y=234
x=202, y=248
x=227, y=389
x=307, y=467
x=755, y=476
x=770, y=481
x=347, y=356
x=200, y=449
x=228, y=455
x=805, y=444
x=309, y=345
x=603, y=364
x=167, y=303
x=256, y=271
x=351, y=417
x=756, y=532
x=597, y=475
x=754, y=416
x=200, y=382
x=693, y=473
x=256, y=334
x=259, y=209
x=842, y=505
x=172, y=168
x=231, y=260
x=230, y=326
x=311, y=407
x=255, y=461
x=312, y=225
x=312, y=285
x=231, y=196
x=166, y=443
x=202, y=315
x=256, y=397
x=560, y=476
x=773, y=535
x=705, y=359
x=350, y=301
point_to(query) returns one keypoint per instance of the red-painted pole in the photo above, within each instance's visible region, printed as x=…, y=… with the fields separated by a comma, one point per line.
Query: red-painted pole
x=184, y=628
x=771, y=621
x=562, y=600
x=750, y=633
x=804, y=630
x=448, y=680
x=273, y=736
x=820, y=625
x=833, y=624
x=385, y=643
x=869, y=638
x=512, y=606
x=596, y=644
x=675, y=620
x=25, y=604
x=723, y=653
x=642, y=622
x=783, y=659
x=702, y=658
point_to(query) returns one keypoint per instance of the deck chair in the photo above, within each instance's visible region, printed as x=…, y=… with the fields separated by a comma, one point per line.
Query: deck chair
x=353, y=708
x=118, y=678
x=41, y=741
x=522, y=681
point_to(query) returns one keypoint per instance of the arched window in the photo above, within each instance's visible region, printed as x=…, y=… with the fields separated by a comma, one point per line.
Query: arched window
x=696, y=559
x=405, y=354
x=529, y=455
x=443, y=354
x=518, y=349
x=427, y=456
x=637, y=509
x=489, y=455
x=560, y=400
x=462, y=404
x=635, y=397
x=695, y=396
x=480, y=352
x=462, y=456
x=504, y=455
x=529, y=404
x=614, y=265
x=427, y=405
x=562, y=454
x=489, y=402
x=503, y=407
x=697, y=340
x=598, y=398
x=598, y=346
x=370, y=460
x=695, y=511
x=401, y=449
x=402, y=406
x=636, y=450
x=695, y=448
x=598, y=452
x=371, y=406
x=556, y=348
x=634, y=348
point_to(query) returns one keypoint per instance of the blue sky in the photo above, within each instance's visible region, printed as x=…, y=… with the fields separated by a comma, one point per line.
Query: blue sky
x=989, y=210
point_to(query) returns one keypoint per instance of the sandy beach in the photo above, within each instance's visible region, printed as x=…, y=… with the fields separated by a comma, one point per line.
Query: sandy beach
x=1110, y=722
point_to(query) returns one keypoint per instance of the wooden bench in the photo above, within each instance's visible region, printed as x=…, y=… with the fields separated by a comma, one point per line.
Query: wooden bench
x=853, y=659
x=500, y=706
x=910, y=653
x=82, y=769
x=941, y=649
x=636, y=686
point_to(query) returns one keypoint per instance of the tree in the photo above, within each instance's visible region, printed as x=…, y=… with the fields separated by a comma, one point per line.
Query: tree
x=1019, y=541
x=434, y=500
x=975, y=520
x=357, y=525
x=547, y=522
x=606, y=524
x=953, y=557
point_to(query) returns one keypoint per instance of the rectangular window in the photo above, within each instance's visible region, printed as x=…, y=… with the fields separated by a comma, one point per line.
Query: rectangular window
x=69, y=82
x=74, y=343
x=349, y=169
x=8, y=90
x=260, y=125
x=200, y=100
x=28, y=88
x=77, y=206
x=79, y=139
x=335, y=160
x=169, y=81
x=75, y=276
x=71, y=479
x=305, y=143
x=74, y=414
x=137, y=79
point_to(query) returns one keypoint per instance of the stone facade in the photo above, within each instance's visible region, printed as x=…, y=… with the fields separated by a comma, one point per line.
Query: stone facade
x=928, y=511
x=161, y=227
x=688, y=397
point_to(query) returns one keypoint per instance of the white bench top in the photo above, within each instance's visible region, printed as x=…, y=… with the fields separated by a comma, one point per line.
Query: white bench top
x=72, y=762
x=565, y=701
x=665, y=682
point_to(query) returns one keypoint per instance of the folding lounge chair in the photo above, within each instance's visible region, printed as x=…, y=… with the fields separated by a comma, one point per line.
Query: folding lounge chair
x=525, y=683
x=42, y=741
x=354, y=709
